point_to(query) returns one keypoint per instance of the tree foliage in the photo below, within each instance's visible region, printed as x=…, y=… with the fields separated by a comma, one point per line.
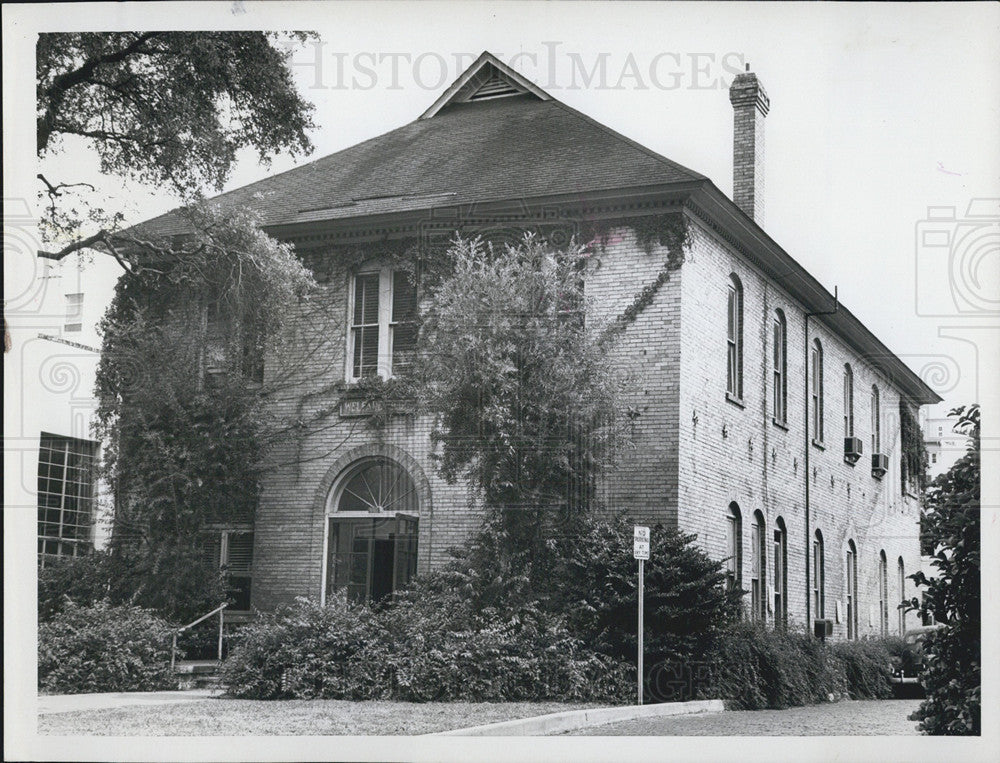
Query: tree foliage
x=182, y=406
x=529, y=402
x=168, y=109
x=952, y=519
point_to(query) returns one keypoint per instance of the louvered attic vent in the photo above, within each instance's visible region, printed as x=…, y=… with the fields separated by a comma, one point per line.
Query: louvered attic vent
x=495, y=86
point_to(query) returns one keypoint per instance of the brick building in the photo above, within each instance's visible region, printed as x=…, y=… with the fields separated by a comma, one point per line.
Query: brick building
x=769, y=416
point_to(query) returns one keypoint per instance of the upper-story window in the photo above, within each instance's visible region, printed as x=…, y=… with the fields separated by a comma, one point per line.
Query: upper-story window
x=876, y=422
x=74, y=313
x=383, y=332
x=817, y=391
x=734, y=337
x=848, y=401
x=780, y=364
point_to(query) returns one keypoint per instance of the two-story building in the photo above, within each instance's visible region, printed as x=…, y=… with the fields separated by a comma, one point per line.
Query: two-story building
x=769, y=416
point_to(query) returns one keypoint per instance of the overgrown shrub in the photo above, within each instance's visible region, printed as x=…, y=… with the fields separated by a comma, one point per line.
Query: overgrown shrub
x=755, y=668
x=103, y=648
x=867, y=666
x=415, y=650
x=83, y=579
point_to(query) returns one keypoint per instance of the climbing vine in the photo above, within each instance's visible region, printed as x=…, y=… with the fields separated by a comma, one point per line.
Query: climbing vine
x=914, y=452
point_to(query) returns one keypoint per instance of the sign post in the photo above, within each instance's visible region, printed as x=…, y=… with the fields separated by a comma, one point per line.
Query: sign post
x=640, y=550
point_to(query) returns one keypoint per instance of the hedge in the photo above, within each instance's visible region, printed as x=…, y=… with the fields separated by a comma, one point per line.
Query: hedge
x=101, y=648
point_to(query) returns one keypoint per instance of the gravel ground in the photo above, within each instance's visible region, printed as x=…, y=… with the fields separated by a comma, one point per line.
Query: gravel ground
x=863, y=718
x=237, y=717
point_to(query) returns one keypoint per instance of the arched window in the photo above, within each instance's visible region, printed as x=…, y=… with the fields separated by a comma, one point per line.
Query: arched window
x=817, y=391
x=780, y=366
x=876, y=422
x=372, y=530
x=883, y=594
x=734, y=543
x=779, y=582
x=819, y=577
x=901, y=609
x=758, y=568
x=851, y=580
x=734, y=339
x=848, y=401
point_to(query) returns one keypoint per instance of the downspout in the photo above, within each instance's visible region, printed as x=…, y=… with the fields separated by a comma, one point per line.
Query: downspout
x=805, y=376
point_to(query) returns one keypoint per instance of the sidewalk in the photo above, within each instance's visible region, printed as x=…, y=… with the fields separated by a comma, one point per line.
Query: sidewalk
x=67, y=703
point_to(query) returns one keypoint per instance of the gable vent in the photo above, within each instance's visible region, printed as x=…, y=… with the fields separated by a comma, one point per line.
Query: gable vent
x=495, y=86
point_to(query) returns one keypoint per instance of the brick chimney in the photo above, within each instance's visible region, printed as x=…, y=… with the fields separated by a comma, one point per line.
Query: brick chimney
x=750, y=106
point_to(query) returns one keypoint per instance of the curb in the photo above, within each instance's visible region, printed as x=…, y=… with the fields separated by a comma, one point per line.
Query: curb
x=570, y=720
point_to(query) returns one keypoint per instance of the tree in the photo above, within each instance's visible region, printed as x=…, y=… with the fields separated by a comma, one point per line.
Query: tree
x=952, y=520
x=529, y=402
x=168, y=109
x=183, y=406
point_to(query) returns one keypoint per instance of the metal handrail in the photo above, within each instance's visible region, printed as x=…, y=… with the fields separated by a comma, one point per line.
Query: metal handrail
x=173, y=645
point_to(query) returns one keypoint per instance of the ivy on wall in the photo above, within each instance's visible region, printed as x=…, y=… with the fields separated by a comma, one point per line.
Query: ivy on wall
x=914, y=453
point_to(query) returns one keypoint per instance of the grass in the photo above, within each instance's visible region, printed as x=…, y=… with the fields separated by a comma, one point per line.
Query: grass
x=237, y=717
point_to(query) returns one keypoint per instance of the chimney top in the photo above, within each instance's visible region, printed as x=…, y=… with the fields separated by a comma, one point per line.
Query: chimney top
x=746, y=90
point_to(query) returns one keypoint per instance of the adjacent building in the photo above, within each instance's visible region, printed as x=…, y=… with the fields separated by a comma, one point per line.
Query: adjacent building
x=770, y=419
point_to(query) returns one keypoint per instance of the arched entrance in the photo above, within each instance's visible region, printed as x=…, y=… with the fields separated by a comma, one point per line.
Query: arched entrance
x=372, y=515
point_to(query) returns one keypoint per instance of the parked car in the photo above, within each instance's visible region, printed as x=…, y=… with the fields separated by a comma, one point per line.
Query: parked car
x=909, y=664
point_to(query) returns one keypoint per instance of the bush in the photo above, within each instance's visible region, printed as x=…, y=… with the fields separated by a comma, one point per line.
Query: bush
x=103, y=648
x=867, y=666
x=755, y=668
x=416, y=650
x=84, y=579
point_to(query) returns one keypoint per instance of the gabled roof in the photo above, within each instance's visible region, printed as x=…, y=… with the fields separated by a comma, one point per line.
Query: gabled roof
x=493, y=135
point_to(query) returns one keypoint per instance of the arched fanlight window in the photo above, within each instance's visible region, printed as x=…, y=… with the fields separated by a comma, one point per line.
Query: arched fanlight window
x=377, y=485
x=734, y=339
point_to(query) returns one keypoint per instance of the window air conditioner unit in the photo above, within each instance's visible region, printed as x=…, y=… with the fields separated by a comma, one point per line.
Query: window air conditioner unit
x=880, y=464
x=852, y=449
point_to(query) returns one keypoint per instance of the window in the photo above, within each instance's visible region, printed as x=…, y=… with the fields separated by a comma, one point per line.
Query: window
x=819, y=577
x=372, y=531
x=758, y=566
x=876, y=422
x=901, y=609
x=74, y=312
x=817, y=391
x=780, y=404
x=848, y=401
x=933, y=458
x=734, y=543
x=383, y=323
x=780, y=552
x=851, y=579
x=66, y=488
x=883, y=594
x=734, y=357
x=232, y=552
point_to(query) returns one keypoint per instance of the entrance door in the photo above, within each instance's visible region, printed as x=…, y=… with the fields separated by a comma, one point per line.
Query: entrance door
x=370, y=557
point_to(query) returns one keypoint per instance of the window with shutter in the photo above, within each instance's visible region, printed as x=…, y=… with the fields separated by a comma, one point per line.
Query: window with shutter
x=383, y=332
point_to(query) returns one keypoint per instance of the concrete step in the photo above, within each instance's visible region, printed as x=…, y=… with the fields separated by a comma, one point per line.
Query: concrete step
x=197, y=674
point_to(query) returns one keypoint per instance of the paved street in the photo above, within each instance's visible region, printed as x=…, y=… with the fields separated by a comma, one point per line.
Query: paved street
x=863, y=718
